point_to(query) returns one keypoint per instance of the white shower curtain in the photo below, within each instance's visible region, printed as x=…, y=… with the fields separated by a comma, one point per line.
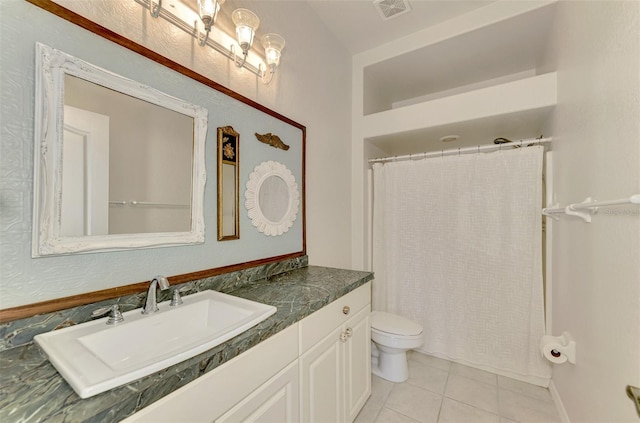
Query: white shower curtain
x=457, y=248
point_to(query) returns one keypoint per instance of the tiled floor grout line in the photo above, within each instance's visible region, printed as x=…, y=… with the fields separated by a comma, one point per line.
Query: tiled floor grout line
x=499, y=401
x=444, y=391
x=384, y=404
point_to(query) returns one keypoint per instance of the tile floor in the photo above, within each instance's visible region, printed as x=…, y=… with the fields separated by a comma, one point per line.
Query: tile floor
x=439, y=391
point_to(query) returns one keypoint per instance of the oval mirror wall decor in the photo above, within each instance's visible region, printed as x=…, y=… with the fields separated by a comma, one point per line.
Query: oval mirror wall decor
x=272, y=198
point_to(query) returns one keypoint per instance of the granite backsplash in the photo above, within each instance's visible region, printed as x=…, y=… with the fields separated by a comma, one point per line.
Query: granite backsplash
x=20, y=332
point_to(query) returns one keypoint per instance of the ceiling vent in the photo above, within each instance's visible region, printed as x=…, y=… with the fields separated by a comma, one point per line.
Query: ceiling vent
x=391, y=8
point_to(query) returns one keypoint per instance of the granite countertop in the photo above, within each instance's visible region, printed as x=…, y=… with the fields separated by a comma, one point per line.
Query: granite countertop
x=31, y=390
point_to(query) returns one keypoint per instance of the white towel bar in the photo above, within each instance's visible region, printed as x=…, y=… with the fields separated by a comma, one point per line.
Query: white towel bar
x=150, y=204
x=590, y=207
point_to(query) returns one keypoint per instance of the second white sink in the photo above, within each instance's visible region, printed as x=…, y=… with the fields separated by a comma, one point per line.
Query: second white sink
x=94, y=357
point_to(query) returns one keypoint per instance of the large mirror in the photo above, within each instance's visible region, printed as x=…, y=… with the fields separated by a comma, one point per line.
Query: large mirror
x=228, y=183
x=272, y=198
x=118, y=164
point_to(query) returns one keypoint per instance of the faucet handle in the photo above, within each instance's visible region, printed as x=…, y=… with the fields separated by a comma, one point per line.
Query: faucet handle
x=176, y=300
x=115, y=316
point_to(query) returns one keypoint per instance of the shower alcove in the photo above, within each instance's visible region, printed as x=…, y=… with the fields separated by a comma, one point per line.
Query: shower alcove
x=484, y=75
x=487, y=74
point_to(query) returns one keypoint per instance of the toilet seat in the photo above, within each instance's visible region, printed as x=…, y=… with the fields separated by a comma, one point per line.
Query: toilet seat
x=394, y=325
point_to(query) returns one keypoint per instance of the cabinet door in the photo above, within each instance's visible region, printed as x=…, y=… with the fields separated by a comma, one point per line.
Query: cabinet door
x=321, y=370
x=357, y=363
x=276, y=401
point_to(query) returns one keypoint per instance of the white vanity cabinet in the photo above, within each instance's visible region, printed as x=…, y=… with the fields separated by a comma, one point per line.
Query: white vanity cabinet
x=317, y=370
x=335, y=360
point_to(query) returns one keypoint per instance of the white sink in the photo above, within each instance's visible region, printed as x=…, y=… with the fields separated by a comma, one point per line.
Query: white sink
x=94, y=357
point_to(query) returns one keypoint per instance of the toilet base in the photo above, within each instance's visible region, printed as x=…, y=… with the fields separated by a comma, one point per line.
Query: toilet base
x=390, y=366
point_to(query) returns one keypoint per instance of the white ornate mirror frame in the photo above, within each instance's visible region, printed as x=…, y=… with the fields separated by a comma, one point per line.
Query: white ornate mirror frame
x=51, y=67
x=287, y=210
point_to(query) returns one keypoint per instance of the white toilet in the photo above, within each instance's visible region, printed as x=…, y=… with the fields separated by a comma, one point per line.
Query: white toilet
x=392, y=337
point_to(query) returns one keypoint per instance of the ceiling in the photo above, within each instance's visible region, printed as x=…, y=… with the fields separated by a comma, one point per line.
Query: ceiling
x=359, y=26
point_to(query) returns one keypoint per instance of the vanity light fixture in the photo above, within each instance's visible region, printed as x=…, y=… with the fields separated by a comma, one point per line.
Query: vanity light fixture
x=273, y=45
x=246, y=23
x=208, y=12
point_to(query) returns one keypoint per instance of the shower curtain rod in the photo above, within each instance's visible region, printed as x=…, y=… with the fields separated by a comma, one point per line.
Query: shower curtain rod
x=476, y=149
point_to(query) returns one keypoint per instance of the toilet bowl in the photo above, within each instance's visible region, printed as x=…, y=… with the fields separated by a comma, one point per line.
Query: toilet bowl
x=392, y=336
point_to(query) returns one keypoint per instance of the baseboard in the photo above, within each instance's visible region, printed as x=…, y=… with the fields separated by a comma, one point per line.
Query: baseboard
x=558, y=402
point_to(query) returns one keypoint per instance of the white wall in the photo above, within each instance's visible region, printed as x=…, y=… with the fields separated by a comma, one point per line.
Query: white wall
x=311, y=87
x=596, y=266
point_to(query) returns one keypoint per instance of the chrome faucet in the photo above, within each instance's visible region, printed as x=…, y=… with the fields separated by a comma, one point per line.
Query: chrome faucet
x=150, y=304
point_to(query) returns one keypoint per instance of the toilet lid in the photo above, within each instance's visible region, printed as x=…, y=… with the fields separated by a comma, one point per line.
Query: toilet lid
x=394, y=324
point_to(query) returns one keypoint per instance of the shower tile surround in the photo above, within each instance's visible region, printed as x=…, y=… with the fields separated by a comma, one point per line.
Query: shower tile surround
x=32, y=388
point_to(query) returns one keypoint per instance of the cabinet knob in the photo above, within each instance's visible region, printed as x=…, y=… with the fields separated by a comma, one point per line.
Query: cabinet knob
x=343, y=336
x=348, y=332
x=346, y=309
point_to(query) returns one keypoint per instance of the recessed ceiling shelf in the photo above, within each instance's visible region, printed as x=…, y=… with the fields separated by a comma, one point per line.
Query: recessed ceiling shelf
x=487, y=46
x=516, y=109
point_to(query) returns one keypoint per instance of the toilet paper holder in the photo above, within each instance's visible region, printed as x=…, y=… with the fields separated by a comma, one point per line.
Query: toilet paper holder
x=563, y=348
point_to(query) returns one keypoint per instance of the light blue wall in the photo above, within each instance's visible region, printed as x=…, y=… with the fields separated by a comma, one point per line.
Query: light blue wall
x=25, y=280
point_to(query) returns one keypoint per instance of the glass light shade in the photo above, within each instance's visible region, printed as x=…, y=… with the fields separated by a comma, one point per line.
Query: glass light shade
x=273, y=45
x=208, y=11
x=246, y=23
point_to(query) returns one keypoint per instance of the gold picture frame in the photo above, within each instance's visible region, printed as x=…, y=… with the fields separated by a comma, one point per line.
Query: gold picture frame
x=228, y=184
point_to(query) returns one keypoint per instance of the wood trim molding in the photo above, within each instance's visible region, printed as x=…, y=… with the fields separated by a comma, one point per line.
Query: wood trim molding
x=50, y=306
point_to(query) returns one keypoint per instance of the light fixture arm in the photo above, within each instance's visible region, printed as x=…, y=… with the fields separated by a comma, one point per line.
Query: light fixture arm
x=267, y=75
x=236, y=61
x=154, y=9
x=202, y=39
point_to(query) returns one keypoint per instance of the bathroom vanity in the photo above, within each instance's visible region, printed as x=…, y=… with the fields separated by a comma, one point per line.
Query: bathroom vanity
x=310, y=361
x=315, y=370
